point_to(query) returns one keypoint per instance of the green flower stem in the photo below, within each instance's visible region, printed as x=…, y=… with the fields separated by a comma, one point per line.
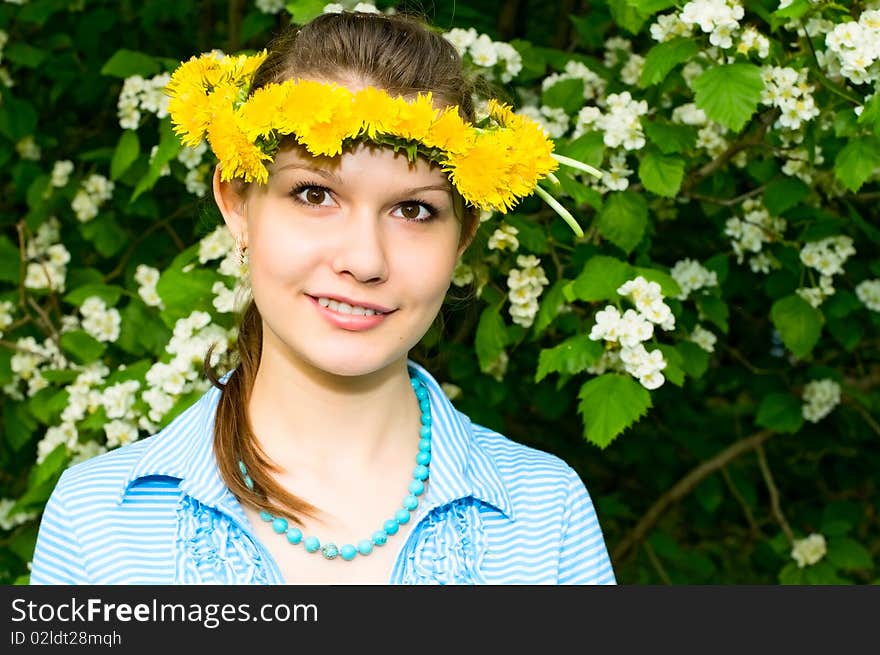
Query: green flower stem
x=574, y=163
x=553, y=178
x=559, y=209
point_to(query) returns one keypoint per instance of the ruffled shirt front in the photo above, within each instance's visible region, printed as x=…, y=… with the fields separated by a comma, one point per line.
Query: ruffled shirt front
x=157, y=512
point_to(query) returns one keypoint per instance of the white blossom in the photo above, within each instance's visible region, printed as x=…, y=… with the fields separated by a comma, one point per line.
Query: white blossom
x=809, y=550
x=868, y=292
x=504, y=238
x=820, y=398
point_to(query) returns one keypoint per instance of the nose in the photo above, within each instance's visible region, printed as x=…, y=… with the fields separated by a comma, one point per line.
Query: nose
x=361, y=247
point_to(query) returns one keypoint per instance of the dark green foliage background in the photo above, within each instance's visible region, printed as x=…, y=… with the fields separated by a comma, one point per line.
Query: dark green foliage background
x=679, y=501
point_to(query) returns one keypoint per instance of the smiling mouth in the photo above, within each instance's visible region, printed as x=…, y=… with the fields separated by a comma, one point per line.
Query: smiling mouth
x=346, y=308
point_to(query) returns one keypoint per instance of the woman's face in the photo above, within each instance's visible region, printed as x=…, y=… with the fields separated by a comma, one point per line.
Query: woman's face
x=350, y=257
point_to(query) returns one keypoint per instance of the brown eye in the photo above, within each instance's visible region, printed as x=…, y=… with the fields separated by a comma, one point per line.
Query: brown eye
x=410, y=210
x=316, y=196
x=414, y=211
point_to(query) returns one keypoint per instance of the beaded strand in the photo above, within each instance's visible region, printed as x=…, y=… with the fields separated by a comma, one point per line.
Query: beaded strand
x=391, y=526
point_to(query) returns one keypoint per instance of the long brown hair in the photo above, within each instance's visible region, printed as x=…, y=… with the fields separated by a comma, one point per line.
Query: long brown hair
x=398, y=53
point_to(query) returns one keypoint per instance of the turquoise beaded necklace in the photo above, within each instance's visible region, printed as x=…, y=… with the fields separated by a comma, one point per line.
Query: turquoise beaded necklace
x=402, y=516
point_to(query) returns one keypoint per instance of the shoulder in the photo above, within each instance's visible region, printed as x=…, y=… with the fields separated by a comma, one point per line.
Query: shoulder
x=521, y=464
x=102, y=478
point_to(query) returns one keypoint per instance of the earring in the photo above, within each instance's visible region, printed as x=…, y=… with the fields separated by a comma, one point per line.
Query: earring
x=241, y=248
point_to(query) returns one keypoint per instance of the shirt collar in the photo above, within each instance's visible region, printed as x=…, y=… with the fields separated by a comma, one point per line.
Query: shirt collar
x=460, y=467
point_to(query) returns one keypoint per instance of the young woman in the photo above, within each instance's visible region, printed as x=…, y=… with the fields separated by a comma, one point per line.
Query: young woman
x=351, y=178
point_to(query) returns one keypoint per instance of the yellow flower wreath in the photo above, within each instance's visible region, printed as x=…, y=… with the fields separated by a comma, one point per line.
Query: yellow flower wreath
x=492, y=165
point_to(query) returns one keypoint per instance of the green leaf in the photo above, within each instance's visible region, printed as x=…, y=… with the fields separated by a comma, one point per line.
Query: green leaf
x=856, y=162
x=663, y=57
x=715, y=310
x=783, y=194
x=870, y=231
x=24, y=55
x=169, y=146
x=710, y=494
x=141, y=330
x=793, y=11
x=577, y=190
x=695, y=360
x=10, y=261
x=623, y=219
x=870, y=116
x=491, y=336
x=599, y=279
x=649, y=7
x=849, y=555
x=570, y=357
x=780, y=412
x=841, y=304
x=670, y=137
x=18, y=118
x=729, y=94
x=668, y=286
x=127, y=150
x=125, y=63
x=185, y=292
x=50, y=467
x=627, y=16
x=18, y=424
x=588, y=148
x=83, y=346
x=47, y=404
x=798, y=323
x=567, y=94
x=551, y=302
x=531, y=236
x=823, y=573
x=791, y=574
x=661, y=174
x=105, y=233
x=674, y=371
x=846, y=332
x=609, y=405
x=106, y=292
x=302, y=11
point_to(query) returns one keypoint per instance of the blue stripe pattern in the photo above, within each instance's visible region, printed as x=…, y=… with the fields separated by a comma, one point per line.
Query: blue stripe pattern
x=157, y=512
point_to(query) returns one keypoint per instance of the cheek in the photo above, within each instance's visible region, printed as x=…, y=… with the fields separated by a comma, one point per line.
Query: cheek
x=278, y=254
x=429, y=269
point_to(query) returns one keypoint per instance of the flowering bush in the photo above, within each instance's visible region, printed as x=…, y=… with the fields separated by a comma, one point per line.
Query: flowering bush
x=705, y=355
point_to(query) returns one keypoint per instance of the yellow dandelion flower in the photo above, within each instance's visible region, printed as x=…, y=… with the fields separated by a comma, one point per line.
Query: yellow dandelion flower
x=501, y=113
x=260, y=114
x=238, y=156
x=415, y=118
x=532, y=155
x=308, y=102
x=326, y=137
x=480, y=173
x=377, y=109
x=449, y=132
x=192, y=115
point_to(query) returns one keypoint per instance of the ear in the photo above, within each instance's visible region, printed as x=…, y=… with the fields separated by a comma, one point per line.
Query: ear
x=230, y=199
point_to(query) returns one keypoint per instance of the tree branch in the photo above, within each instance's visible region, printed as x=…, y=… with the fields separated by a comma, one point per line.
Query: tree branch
x=774, y=493
x=683, y=487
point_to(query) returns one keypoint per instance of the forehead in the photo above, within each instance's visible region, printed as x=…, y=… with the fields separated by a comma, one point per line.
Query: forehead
x=363, y=160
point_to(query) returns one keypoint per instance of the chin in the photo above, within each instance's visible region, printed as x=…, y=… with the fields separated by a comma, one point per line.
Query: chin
x=360, y=365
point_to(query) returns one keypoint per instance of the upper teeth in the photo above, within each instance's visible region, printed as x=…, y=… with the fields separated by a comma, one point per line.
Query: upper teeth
x=345, y=308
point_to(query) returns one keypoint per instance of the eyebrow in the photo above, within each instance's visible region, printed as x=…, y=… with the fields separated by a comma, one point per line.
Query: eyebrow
x=333, y=177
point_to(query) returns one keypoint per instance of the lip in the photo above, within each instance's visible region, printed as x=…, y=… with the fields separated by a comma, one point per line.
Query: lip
x=349, y=301
x=351, y=322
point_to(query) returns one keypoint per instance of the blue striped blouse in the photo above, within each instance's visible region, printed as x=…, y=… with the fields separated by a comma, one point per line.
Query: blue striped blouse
x=157, y=512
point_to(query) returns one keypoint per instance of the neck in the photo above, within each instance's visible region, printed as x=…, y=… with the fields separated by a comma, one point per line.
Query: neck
x=305, y=418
